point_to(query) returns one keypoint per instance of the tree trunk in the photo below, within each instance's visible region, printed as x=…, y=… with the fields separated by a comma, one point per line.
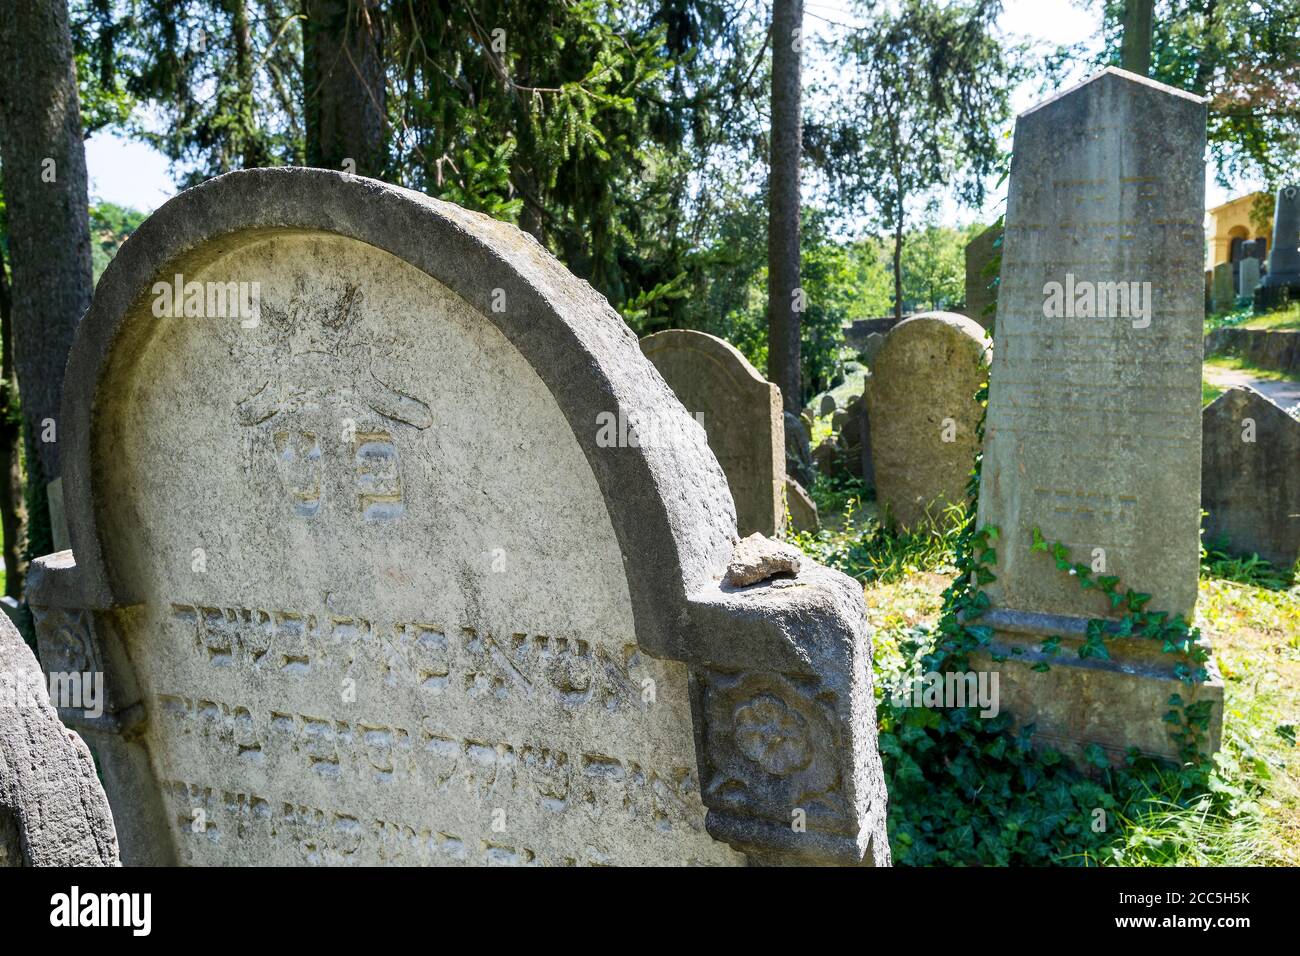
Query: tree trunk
x=783, y=308
x=343, y=84
x=898, y=266
x=13, y=514
x=1135, y=49
x=49, y=225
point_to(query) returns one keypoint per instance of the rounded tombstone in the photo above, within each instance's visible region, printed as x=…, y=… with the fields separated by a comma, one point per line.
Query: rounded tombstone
x=395, y=549
x=921, y=401
x=374, y=476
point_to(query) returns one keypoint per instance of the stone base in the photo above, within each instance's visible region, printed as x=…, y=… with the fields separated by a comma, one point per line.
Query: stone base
x=1117, y=703
x=1270, y=297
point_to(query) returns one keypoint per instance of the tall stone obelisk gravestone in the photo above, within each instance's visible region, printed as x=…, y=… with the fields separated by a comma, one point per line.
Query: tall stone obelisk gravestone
x=1093, y=426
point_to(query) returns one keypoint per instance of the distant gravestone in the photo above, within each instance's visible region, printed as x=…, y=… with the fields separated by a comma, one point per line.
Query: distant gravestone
x=741, y=413
x=1283, y=279
x=1250, y=477
x=871, y=348
x=798, y=449
x=981, y=289
x=417, y=560
x=923, y=414
x=1248, y=277
x=52, y=808
x=802, y=509
x=1093, y=426
x=1223, y=293
x=1284, y=261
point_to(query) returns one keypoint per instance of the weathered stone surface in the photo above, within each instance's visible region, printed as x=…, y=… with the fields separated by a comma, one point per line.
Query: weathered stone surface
x=923, y=415
x=742, y=416
x=424, y=565
x=981, y=289
x=1093, y=430
x=1223, y=293
x=757, y=558
x=52, y=808
x=801, y=507
x=1250, y=477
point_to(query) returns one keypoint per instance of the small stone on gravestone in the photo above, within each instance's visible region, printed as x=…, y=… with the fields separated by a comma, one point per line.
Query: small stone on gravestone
x=742, y=415
x=923, y=412
x=52, y=808
x=1248, y=277
x=1250, y=477
x=325, y=563
x=981, y=290
x=758, y=558
x=1093, y=425
x=1224, y=296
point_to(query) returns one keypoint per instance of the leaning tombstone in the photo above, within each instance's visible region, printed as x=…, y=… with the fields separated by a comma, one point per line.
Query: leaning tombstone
x=741, y=413
x=923, y=414
x=1093, y=430
x=981, y=287
x=1250, y=477
x=52, y=808
x=412, y=557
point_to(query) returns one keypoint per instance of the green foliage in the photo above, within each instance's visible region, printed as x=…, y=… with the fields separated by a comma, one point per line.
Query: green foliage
x=1241, y=55
x=214, y=85
x=110, y=225
x=917, y=106
x=863, y=548
x=1246, y=569
x=934, y=267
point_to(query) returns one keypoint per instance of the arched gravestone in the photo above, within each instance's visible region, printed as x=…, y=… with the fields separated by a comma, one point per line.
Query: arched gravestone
x=923, y=414
x=1250, y=476
x=741, y=413
x=52, y=808
x=369, y=585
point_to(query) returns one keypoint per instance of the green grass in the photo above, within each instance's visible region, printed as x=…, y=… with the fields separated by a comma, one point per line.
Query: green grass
x=1246, y=811
x=1209, y=392
x=1232, y=363
x=1243, y=317
x=1288, y=318
x=854, y=540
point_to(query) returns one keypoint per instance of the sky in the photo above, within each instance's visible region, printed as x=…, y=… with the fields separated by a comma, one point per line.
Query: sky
x=132, y=174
